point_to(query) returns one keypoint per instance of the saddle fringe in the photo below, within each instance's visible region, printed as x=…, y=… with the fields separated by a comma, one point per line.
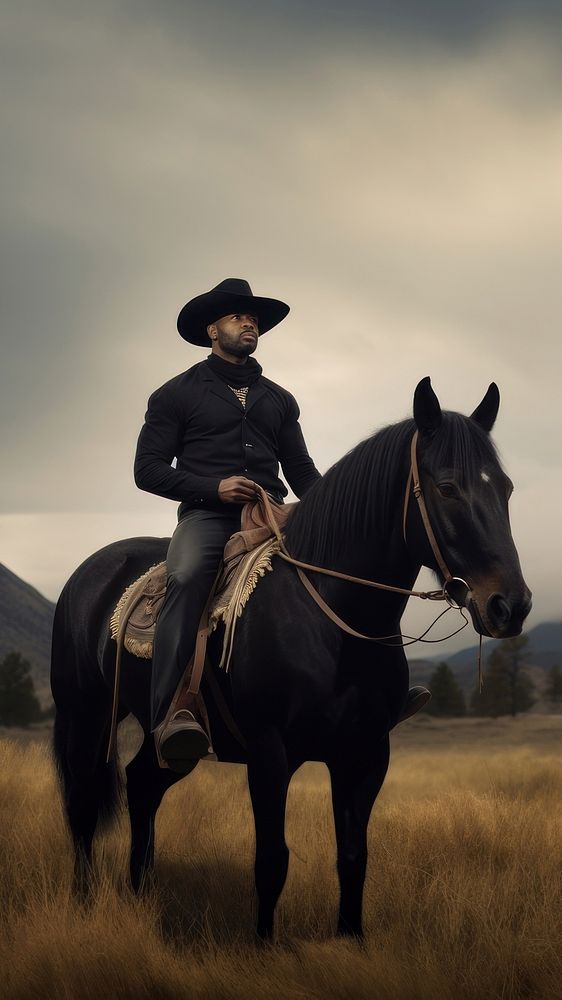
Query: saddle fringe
x=231, y=601
x=141, y=647
x=233, y=593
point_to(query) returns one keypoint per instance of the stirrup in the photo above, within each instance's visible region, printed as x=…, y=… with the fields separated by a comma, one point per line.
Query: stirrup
x=182, y=742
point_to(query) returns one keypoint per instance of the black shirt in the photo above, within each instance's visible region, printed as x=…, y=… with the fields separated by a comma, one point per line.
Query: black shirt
x=197, y=419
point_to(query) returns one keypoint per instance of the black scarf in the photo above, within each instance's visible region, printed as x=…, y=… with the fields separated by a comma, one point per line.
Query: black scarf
x=236, y=376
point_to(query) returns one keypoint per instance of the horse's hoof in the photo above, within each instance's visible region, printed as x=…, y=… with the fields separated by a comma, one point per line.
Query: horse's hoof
x=347, y=931
x=264, y=937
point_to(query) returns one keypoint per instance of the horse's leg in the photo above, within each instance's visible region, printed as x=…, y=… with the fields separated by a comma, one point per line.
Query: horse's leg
x=268, y=779
x=354, y=791
x=146, y=785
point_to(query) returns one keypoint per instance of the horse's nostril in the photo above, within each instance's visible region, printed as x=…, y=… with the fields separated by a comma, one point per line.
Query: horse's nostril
x=499, y=610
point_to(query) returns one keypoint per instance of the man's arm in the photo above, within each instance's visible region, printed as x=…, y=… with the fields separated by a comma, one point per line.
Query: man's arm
x=158, y=444
x=298, y=468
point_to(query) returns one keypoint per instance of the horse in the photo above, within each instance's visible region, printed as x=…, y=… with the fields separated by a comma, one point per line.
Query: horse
x=299, y=687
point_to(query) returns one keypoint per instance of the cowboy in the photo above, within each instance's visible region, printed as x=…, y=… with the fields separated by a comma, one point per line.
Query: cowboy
x=228, y=428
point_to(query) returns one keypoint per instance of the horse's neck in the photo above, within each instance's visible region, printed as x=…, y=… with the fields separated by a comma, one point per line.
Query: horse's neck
x=384, y=561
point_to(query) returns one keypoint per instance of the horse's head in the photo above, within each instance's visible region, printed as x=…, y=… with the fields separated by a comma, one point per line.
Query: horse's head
x=466, y=493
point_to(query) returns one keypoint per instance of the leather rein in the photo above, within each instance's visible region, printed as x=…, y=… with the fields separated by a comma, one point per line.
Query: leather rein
x=431, y=595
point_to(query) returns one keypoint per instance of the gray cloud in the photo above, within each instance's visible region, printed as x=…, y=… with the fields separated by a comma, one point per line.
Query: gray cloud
x=401, y=189
x=409, y=23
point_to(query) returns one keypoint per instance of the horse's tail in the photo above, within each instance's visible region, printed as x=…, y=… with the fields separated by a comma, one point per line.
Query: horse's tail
x=91, y=787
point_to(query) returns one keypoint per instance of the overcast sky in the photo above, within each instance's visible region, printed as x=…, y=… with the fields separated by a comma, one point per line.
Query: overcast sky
x=393, y=171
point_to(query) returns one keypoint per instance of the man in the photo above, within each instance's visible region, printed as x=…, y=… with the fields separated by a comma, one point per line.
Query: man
x=229, y=428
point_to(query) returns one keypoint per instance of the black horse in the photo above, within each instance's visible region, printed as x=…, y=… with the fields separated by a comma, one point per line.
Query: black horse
x=300, y=688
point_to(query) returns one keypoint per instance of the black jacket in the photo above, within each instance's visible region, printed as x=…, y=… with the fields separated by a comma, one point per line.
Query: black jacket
x=197, y=419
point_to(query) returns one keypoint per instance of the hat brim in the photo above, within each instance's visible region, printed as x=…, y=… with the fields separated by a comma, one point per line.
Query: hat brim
x=197, y=314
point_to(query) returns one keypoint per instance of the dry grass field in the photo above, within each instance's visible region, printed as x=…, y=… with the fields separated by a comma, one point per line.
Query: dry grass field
x=463, y=895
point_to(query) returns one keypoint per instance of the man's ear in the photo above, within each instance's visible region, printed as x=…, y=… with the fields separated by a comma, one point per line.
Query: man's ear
x=212, y=331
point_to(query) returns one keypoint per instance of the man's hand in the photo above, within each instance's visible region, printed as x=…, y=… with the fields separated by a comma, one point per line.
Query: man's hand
x=237, y=489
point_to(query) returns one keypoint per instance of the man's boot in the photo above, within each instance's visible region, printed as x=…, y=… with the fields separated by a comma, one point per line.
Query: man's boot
x=181, y=741
x=417, y=698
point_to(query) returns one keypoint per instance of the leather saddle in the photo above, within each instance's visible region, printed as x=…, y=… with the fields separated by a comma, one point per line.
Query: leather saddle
x=139, y=606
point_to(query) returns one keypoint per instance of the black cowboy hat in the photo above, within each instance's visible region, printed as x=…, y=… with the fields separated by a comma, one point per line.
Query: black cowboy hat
x=230, y=296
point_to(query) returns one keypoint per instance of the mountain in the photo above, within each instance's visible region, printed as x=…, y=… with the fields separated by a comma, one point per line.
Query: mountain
x=543, y=652
x=26, y=620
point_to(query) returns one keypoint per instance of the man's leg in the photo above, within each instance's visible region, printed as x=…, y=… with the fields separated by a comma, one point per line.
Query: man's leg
x=193, y=558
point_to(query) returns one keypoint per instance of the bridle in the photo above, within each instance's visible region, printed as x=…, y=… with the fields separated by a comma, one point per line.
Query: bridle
x=414, y=481
x=432, y=595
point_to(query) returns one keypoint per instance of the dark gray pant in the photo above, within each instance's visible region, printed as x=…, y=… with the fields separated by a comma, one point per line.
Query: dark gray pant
x=193, y=559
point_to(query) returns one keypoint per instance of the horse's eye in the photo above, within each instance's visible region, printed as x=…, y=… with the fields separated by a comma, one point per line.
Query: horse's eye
x=448, y=490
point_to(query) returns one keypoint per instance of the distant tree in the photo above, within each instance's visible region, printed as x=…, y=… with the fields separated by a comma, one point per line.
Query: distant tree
x=493, y=699
x=553, y=691
x=447, y=698
x=507, y=689
x=19, y=705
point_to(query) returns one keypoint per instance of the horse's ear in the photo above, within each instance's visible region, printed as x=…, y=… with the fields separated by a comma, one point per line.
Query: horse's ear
x=427, y=411
x=485, y=414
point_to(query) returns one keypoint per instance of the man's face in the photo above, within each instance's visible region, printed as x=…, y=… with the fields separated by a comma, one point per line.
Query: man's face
x=235, y=334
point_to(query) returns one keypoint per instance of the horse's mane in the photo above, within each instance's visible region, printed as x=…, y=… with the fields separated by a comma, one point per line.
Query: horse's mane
x=358, y=497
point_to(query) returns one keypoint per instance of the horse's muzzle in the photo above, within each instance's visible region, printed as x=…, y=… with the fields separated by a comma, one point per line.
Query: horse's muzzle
x=503, y=618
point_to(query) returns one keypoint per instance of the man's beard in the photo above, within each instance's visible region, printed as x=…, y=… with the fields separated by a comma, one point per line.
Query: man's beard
x=238, y=350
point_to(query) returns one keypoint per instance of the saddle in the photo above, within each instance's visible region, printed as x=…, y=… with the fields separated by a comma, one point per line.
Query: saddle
x=247, y=557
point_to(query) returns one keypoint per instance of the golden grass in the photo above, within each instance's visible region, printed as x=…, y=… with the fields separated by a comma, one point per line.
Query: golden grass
x=463, y=894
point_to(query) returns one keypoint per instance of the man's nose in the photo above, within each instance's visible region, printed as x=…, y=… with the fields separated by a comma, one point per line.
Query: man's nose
x=248, y=322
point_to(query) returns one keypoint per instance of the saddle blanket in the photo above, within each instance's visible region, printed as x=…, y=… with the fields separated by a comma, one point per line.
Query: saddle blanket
x=139, y=606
